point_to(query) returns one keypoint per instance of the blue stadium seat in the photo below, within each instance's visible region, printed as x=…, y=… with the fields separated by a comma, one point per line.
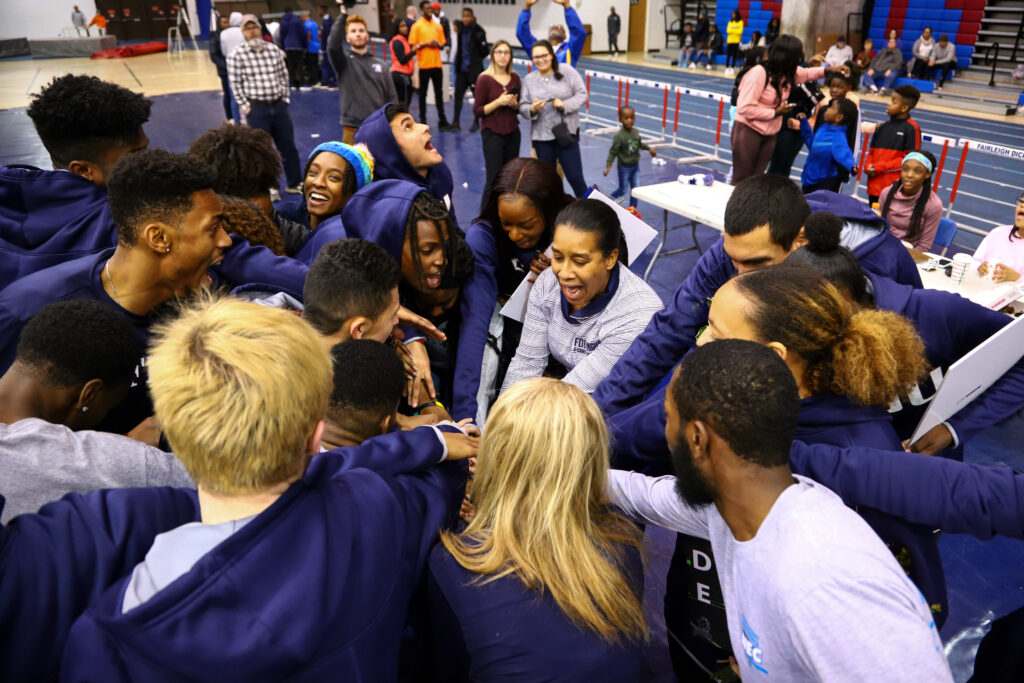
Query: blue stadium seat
x=944, y=235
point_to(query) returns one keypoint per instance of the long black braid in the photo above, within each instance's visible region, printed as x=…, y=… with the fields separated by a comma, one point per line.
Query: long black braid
x=426, y=208
x=914, y=229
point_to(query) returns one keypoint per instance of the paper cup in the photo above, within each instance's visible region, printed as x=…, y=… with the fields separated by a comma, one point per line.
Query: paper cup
x=959, y=269
x=990, y=273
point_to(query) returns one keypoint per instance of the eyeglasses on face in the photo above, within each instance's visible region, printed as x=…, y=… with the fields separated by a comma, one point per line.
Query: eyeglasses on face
x=541, y=57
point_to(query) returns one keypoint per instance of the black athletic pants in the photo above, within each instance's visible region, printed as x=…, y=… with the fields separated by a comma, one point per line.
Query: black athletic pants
x=426, y=77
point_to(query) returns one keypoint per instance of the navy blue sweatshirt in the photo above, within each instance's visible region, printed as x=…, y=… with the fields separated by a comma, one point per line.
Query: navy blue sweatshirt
x=839, y=422
x=951, y=326
x=389, y=163
x=378, y=213
x=672, y=332
x=503, y=631
x=49, y=217
x=331, y=230
x=82, y=279
x=316, y=587
x=480, y=295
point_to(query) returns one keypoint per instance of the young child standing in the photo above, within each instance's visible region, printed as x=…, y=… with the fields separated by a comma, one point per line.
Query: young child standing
x=626, y=148
x=830, y=161
x=891, y=141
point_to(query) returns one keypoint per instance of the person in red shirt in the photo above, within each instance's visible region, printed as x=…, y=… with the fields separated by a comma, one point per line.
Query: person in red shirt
x=892, y=141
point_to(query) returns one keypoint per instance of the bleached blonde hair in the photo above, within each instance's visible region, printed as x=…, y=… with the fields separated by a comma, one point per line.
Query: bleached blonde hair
x=238, y=390
x=542, y=511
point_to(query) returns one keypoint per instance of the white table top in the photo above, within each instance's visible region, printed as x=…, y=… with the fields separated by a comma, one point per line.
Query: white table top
x=702, y=203
x=994, y=295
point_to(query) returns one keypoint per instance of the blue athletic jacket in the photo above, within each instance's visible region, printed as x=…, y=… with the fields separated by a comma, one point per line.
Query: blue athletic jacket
x=82, y=279
x=55, y=563
x=673, y=330
x=837, y=421
x=47, y=218
x=479, y=298
x=316, y=587
x=390, y=164
x=331, y=230
x=570, y=50
x=951, y=326
x=828, y=153
x=503, y=631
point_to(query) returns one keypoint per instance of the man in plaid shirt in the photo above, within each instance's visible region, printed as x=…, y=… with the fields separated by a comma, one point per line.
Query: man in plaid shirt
x=259, y=81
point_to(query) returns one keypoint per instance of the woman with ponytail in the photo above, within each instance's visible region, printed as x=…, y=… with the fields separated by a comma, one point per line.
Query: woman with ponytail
x=950, y=327
x=849, y=366
x=911, y=207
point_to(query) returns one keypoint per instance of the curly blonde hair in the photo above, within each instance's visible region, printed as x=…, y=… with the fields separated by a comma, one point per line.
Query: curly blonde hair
x=872, y=357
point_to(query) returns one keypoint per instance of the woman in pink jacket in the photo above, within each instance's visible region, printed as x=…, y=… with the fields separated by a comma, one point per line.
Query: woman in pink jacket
x=762, y=102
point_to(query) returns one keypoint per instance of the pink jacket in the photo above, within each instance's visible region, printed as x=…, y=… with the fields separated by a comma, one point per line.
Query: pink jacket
x=755, y=105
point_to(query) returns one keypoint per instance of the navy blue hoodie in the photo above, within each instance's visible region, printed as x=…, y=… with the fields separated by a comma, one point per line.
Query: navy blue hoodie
x=390, y=164
x=378, y=213
x=316, y=587
x=82, y=279
x=951, y=326
x=49, y=217
x=672, y=332
x=331, y=230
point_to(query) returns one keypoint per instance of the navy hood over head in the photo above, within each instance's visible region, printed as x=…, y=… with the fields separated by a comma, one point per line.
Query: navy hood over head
x=378, y=213
x=390, y=163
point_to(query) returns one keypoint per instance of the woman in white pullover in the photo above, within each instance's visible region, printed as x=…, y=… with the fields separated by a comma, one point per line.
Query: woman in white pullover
x=587, y=308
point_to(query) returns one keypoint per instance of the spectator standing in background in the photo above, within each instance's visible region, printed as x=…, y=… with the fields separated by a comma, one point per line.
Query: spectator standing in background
x=772, y=32
x=259, y=82
x=469, y=63
x=327, y=77
x=100, y=22
x=364, y=84
x=427, y=38
x=292, y=39
x=733, y=35
x=567, y=52
x=78, y=21
x=614, y=26
x=840, y=53
x=311, y=63
x=891, y=141
x=439, y=17
x=553, y=95
x=410, y=16
x=218, y=57
x=402, y=61
x=497, y=106
x=943, y=59
x=865, y=56
x=761, y=102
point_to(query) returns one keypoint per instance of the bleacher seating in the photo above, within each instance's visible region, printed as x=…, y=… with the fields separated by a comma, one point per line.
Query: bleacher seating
x=960, y=19
x=756, y=15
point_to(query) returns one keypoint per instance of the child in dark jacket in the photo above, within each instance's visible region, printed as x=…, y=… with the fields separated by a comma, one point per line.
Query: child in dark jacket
x=626, y=149
x=892, y=141
x=830, y=160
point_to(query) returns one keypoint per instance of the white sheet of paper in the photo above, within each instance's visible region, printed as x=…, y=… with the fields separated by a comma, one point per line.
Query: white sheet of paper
x=637, y=233
x=974, y=373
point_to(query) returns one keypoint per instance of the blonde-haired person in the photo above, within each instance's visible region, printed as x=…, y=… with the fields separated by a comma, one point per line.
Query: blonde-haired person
x=496, y=104
x=849, y=367
x=545, y=581
x=321, y=553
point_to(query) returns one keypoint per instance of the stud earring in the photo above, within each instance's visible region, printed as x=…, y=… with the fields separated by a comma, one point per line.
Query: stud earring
x=85, y=409
x=168, y=250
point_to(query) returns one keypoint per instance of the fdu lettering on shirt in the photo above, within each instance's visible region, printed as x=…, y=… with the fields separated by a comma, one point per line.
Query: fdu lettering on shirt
x=752, y=646
x=581, y=345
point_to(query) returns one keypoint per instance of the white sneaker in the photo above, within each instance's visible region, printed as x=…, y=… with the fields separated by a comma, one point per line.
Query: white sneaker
x=707, y=67
x=693, y=65
x=730, y=71
x=874, y=88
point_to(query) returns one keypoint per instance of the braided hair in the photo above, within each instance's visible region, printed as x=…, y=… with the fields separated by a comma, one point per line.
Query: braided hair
x=426, y=208
x=914, y=229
